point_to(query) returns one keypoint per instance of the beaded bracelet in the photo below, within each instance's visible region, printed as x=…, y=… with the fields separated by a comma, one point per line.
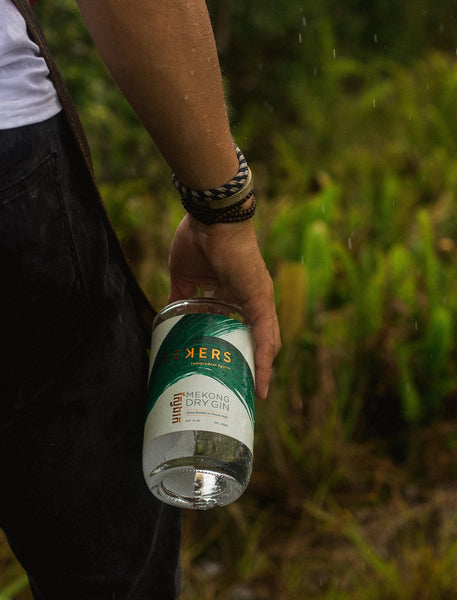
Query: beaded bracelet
x=221, y=204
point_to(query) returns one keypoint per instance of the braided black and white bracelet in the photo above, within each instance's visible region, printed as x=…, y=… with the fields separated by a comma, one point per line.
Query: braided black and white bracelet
x=221, y=204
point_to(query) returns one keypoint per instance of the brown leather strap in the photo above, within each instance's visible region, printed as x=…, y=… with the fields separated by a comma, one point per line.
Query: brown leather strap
x=143, y=305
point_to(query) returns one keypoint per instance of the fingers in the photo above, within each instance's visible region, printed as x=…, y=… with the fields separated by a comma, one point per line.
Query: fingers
x=265, y=356
x=261, y=315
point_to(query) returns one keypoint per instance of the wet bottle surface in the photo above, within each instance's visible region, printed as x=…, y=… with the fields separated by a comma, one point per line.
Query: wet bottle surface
x=198, y=440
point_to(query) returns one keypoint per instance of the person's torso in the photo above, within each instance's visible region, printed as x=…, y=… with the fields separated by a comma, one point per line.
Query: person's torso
x=26, y=93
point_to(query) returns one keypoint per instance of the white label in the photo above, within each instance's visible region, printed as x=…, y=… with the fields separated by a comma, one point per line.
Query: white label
x=201, y=377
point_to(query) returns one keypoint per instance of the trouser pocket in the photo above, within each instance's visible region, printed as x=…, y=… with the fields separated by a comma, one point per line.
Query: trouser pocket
x=44, y=308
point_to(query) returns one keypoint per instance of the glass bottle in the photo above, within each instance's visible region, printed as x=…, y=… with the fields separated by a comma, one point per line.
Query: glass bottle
x=199, y=430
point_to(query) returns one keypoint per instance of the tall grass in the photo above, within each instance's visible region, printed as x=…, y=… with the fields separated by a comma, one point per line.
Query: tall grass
x=371, y=238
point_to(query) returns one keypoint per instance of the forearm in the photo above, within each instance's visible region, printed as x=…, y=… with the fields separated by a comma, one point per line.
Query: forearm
x=162, y=55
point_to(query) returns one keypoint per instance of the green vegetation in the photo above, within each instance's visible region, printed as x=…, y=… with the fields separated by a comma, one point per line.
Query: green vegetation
x=347, y=114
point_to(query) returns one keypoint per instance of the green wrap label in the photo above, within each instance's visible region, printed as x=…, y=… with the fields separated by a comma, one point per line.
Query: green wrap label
x=201, y=377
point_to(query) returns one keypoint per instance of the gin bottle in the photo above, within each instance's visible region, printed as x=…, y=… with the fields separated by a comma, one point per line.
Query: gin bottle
x=199, y=430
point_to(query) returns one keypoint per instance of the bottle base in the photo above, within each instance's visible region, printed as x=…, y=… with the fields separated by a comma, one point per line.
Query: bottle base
x=187, y=486
x=196, y=469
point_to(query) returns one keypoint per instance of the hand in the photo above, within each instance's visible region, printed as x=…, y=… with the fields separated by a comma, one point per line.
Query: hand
x=225, y=261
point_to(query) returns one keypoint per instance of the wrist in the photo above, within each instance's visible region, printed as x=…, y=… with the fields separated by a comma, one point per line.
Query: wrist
x=222, y=228
x=231, y=202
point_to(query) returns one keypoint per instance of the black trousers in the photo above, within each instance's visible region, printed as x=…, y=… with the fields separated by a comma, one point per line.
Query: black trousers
x=73, y=501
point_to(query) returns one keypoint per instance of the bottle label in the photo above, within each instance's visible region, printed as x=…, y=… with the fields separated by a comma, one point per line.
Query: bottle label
x=201, y=377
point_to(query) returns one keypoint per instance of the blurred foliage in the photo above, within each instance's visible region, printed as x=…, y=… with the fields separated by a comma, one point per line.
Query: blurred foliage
x=346, y=112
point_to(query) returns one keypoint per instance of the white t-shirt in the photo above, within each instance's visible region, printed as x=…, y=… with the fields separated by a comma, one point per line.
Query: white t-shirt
x=27, y=95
